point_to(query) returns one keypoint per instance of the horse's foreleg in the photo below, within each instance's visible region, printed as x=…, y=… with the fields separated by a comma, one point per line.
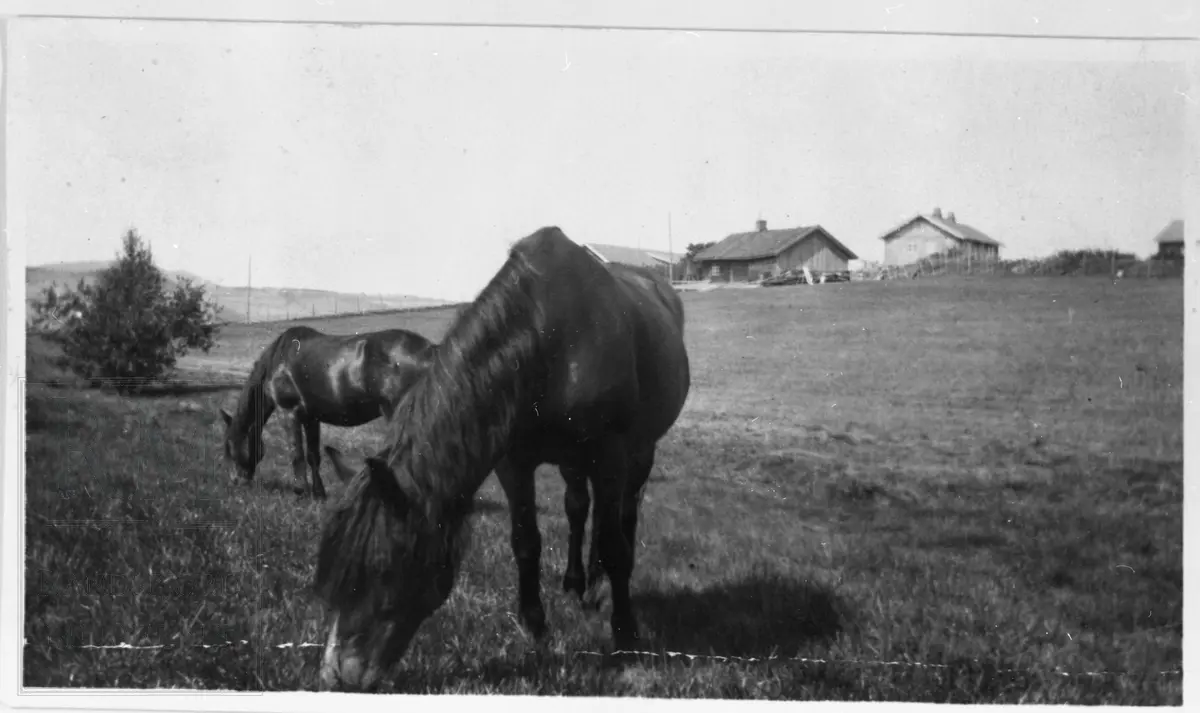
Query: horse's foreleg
x=312, y=429
x=577, y=503
x=518, y=483
x=296, y=425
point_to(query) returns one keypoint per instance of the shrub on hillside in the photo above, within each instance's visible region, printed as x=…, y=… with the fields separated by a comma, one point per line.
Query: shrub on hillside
x=1073, y=262
x=127, y=327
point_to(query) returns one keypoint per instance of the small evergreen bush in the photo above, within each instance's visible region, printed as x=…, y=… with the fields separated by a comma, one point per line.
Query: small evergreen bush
x=127, y=328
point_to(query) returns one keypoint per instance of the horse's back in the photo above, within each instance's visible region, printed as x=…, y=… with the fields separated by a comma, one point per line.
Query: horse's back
x=624, y=361
x=301, y=332
x=404, y=346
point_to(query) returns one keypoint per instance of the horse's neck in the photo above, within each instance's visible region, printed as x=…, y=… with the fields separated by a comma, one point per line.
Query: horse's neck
x=473, y=420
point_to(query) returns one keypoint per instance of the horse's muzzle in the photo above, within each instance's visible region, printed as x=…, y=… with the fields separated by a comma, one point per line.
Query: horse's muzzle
x=343, y=670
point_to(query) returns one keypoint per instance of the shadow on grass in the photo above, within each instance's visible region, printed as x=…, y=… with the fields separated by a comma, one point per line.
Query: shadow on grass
x=150, y=391
x=759, y=615
x=756, y=616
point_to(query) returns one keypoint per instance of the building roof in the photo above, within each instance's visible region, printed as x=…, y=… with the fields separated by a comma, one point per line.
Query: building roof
x=1173, y=233
x=955, y=229
x=628, y=256
x=766, y=244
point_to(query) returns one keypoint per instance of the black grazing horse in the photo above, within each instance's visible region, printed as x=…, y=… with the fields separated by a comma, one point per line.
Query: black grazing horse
x=560, y=359
x=342, y=380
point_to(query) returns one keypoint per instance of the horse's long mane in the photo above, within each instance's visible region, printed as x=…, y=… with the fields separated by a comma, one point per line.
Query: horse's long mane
x=252, y=395
x=448, y=431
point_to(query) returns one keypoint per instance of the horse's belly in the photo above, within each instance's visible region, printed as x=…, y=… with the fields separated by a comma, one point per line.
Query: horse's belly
x=352, y=411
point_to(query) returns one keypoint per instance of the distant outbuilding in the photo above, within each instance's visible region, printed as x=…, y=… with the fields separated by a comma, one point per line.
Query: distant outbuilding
x=924, y=235
x=744, y=257
x=636, y=257
x=1170, y=241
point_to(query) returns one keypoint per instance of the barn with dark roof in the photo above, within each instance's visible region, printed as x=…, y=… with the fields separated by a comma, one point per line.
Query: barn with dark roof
x=744, y=257
x=924, y=235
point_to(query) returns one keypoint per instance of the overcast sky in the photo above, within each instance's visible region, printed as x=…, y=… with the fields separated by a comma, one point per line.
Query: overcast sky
x=406, y=159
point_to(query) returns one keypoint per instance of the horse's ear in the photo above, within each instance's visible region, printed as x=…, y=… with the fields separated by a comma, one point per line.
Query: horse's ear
x=344, y=469
x=228, y=418
x=384, y=478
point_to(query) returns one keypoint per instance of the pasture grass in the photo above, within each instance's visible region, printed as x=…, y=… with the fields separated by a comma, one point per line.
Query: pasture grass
x=959, y=490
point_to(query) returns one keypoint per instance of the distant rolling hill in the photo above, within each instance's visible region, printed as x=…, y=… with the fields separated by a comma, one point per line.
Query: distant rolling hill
x=266, y=303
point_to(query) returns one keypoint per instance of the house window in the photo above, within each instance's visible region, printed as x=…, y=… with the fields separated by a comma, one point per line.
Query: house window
x=715, y=270
x=911, y=248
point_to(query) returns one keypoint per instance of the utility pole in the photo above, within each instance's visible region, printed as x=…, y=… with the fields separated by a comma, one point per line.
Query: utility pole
x=249, y=262
x=670, y=248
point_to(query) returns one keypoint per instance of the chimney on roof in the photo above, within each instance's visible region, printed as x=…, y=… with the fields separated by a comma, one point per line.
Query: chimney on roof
x=937, y=212
x=950, y=217
x=761, y=225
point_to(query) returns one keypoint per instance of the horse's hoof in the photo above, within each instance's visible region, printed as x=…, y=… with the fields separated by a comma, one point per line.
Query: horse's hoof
x=534, y=621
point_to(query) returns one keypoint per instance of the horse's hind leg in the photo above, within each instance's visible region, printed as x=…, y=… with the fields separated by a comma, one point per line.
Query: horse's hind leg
x=312, y=429
x=518, y=483
x=616, y=552
x=640, y=465
x=577, y=501
x=595, y=573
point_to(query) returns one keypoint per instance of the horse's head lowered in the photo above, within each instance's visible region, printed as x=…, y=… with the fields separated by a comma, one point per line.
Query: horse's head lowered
x=403, y=572
x=243, y=450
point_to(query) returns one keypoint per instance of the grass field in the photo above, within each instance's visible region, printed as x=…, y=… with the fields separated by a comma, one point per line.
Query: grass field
x=938, y=490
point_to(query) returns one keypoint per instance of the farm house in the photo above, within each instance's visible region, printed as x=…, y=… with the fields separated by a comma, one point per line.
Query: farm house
x=926, y=235
x=744, y=257
x=631, y=256
x=1170, y=241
